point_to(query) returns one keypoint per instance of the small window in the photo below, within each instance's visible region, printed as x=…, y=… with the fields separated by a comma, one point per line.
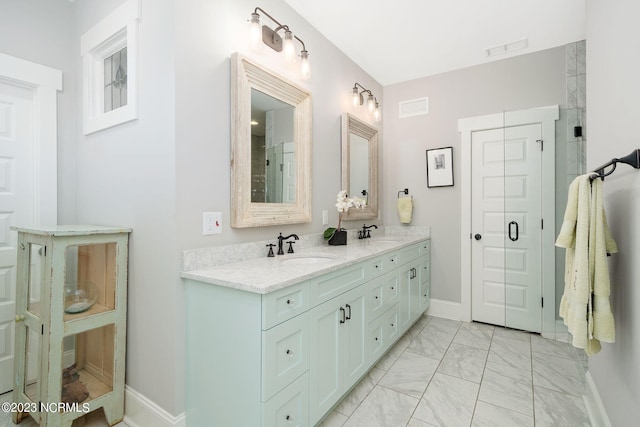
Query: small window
x=109, y=54
x=115, y=80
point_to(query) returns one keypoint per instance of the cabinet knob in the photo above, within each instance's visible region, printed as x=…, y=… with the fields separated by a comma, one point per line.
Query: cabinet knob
x=376, y=296
x=288, y=418
x=393, y=288
x=392, y=325
x=376, y=338
x=289, y=352
x=290, y=301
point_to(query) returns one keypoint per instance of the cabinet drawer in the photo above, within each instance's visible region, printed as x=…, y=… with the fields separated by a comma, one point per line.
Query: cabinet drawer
x=284, y=304
x=382, y=294
x=290, y=407
x=382, y=333
x=382, y=265
x=409, y=254
x=425, y=248
x=333, y=284
x=285, y=354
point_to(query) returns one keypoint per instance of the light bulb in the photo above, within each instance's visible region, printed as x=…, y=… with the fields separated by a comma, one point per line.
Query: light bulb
x=370, y=103
x=255, y=33
x=355, y=96
x=287, y=45
x=305, y=67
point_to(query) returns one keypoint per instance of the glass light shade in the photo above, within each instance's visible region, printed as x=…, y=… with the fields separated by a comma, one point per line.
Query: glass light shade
x=305, y=67
x=79, y=297
x=287, y=45
x=255, y=33
x=376, y=113
x=355, y=96
x=370, y=103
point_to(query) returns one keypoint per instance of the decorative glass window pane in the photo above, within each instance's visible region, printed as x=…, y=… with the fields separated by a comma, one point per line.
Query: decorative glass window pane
x=115, y=80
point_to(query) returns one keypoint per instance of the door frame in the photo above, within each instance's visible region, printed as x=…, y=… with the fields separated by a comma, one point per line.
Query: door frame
x=546, y=117
x=45, y=82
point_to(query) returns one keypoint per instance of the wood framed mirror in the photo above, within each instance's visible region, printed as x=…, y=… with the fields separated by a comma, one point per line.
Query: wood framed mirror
x=270, y=147
x=360, y=165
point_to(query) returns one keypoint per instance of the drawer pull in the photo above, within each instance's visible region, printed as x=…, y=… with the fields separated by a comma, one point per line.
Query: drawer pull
x=289, y=352
x=348, y=315
x=290, y=301
x=343, y=315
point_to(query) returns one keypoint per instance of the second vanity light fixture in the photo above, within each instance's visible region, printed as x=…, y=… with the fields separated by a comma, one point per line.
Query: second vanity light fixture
x=272, y=39
x=358, y=96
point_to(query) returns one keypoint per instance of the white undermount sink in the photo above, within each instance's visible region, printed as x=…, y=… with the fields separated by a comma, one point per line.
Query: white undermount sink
x=308, y=260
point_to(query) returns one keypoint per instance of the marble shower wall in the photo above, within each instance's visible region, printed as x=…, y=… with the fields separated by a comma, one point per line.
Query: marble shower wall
x=576, y=108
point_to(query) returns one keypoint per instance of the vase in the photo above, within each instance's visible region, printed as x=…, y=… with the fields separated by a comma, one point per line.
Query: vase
x=338, y=238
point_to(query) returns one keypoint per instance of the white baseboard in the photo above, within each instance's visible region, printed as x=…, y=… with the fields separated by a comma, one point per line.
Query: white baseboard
x=142, y=412
x=444, y=309
x=595, y=408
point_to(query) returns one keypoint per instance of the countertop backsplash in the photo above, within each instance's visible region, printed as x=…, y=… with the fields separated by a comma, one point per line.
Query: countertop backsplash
x=196, y=259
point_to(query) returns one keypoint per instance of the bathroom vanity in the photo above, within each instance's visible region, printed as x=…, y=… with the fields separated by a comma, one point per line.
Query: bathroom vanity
x=279, y=341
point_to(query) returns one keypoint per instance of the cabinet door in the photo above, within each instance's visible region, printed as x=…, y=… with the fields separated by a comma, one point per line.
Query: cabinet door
x=353, y=339
x=409, y=284
x=326, y=324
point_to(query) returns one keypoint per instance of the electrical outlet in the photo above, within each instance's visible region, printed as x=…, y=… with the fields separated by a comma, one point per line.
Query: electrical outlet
x=325, y=217
x=211, y=223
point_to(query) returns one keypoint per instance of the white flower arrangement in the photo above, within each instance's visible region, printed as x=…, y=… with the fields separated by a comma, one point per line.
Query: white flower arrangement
x=343, y=203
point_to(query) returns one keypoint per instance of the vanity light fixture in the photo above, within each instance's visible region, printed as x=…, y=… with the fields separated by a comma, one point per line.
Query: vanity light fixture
x=372, y=102
x=277, y=42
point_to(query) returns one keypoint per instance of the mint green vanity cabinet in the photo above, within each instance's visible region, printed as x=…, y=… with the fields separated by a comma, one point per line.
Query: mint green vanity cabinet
x=286, y=358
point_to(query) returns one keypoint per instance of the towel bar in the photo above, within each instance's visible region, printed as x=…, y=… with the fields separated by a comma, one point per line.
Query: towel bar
x=632, y=159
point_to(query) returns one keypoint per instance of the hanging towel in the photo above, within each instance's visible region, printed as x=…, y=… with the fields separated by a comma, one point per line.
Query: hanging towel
x=405, y=208
x=601, y=243
x=584, y=233
x=574, y=236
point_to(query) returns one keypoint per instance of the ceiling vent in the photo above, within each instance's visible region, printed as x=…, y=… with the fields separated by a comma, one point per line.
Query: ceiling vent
x=414, y=107
x=506, y=48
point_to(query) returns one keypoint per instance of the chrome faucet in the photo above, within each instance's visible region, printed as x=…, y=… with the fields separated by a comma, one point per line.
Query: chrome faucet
x=365, y=233
x=281, y=239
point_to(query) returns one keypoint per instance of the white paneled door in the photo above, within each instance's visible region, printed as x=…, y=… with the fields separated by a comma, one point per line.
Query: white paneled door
x=507, y=227
x=28, y=176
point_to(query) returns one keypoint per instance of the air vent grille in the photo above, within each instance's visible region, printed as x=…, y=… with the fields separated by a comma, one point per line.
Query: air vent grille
x=414, y=107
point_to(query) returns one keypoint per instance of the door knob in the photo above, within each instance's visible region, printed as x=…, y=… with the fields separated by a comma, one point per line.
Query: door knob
x=477, y=236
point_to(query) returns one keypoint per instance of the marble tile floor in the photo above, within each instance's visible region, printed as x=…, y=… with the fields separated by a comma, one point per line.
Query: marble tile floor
x=450, y=374
x=93, y=419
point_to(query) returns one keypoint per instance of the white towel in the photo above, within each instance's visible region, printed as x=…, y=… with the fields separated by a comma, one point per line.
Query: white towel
x=585, y=235
x=405, y=209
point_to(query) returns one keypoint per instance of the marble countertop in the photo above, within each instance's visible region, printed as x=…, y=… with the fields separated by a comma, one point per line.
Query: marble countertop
x=264, y=275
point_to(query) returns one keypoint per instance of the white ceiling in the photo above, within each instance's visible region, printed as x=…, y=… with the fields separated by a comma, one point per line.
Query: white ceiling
x=400, y=40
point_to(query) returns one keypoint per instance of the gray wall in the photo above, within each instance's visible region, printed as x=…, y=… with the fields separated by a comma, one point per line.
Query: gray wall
x=612, y=97
x=209, y=33
x=126, y=177
x=526, y=81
